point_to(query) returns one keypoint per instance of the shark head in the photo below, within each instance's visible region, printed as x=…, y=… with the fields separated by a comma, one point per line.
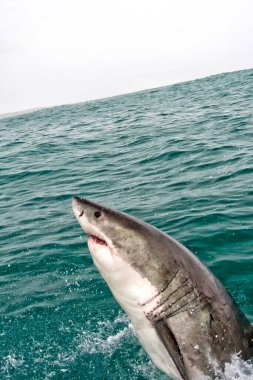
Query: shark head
x=112, y=234
x=120, y=246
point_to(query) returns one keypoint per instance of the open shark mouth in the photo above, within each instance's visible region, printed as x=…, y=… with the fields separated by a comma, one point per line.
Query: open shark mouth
x=97, y=240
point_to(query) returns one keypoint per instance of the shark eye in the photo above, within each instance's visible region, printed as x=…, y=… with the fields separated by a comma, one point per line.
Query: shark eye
x=97, y=214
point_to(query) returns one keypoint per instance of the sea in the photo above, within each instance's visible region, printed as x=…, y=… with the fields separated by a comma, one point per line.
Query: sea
x=179, y=157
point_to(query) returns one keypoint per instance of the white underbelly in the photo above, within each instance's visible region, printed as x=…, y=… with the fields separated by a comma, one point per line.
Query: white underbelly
x=131, y=291
x=146, y=333
x=148, y=337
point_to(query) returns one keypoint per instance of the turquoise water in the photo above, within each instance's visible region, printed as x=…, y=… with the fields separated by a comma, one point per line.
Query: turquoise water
x=179, y=157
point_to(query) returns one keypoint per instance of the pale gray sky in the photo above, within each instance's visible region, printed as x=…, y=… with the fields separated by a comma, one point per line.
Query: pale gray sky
x=66, y=51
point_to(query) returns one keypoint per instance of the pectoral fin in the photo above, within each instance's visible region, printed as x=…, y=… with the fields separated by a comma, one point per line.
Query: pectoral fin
x=251, y=335
x=171, y=345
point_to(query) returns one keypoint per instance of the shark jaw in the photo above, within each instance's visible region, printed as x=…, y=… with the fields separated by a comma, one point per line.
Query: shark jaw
x=96, y=240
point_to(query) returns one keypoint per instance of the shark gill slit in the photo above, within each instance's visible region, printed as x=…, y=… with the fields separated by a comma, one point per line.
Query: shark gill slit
x=181, y=309
x=168, y=313
x=169, y=296
x=161, y=291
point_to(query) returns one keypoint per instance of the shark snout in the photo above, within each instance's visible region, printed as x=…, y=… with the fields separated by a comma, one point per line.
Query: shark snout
x=78, y=206
x=88, y=213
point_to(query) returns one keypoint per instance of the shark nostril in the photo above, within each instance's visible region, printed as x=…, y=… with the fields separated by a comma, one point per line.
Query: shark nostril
x=81, y=213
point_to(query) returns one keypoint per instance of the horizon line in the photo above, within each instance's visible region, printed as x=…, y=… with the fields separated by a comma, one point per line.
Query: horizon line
x=38, y=108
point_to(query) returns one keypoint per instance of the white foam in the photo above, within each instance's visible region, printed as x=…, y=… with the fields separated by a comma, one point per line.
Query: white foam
x=239, y=369
x=11, y=362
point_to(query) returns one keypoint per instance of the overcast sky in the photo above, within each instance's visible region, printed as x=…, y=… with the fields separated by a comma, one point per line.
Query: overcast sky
x=56, y=52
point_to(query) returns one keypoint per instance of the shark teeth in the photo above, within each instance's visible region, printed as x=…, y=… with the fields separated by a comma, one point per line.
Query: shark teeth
x=97, y=240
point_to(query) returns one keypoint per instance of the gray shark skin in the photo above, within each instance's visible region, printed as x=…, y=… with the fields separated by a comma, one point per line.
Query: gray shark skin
x=184, y=318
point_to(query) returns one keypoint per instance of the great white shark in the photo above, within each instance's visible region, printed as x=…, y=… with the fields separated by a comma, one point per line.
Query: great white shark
x=184, y=318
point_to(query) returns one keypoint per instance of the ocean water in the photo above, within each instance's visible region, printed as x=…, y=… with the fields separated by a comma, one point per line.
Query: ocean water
x=179, y=157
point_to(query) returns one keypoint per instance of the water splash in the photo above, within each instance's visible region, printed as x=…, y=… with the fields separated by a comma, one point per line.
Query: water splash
x=239, y=369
